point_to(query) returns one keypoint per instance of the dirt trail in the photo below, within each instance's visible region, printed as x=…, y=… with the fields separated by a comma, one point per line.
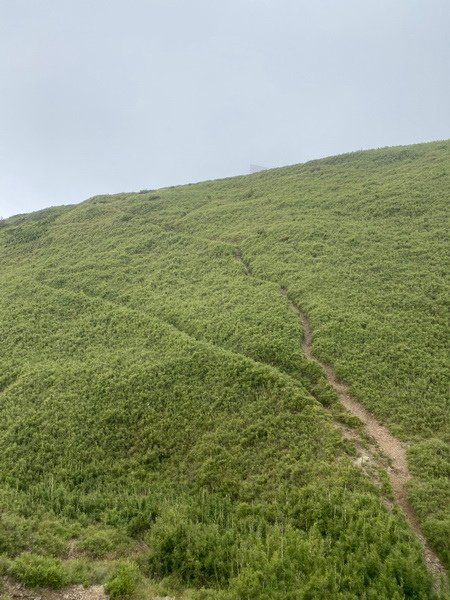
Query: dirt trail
x=16, y=591
x=388, y=444
x=392, y=447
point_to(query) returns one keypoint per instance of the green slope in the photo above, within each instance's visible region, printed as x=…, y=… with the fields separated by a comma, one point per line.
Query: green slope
x=156, y=405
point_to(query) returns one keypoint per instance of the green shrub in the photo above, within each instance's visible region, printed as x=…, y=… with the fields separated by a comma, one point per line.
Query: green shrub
x=5, y=565
x=122, y=581
x=86, y=571
x=11, y=535
x=199, y=553
x=39, y=571
x=102, y=542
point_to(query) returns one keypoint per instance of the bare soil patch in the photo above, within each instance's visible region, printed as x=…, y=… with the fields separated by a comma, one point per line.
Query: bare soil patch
x=391, y=446
x=16, y=591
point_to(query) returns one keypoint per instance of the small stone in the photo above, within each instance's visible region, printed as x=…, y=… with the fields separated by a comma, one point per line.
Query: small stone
x=362, y=460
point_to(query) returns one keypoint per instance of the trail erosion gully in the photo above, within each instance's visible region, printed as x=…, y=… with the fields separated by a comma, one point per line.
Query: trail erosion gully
x=389, y=445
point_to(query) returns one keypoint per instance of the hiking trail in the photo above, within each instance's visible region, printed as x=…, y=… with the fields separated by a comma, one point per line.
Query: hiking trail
x=389, y=445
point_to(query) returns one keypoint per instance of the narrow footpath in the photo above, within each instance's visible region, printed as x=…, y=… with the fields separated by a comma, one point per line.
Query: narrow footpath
x=384, y=441
x=392, y=447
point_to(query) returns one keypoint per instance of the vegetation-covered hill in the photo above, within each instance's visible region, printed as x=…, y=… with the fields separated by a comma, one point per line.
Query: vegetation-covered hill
x=159, y=421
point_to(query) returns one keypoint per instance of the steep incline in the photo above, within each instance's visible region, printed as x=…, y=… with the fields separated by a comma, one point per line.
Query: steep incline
x=389, y=445
x=156, y=405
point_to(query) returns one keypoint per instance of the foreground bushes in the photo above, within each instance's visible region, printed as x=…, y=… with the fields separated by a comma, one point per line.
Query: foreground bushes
x=39, y=571
x=353, y=550
x=122, y=581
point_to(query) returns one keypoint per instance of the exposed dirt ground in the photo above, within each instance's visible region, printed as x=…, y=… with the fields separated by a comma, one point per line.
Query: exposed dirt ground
x=381, y=438
x=392, y=447
x=16, y=591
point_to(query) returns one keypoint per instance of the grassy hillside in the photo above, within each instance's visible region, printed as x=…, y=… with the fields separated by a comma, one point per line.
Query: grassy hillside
x=159, y=421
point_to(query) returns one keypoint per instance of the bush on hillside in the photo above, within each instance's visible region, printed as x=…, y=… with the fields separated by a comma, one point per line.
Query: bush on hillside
x=39, y=571
x=122, y=581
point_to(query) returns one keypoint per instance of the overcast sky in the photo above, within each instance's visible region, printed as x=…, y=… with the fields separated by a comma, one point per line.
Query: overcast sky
x=102, y=96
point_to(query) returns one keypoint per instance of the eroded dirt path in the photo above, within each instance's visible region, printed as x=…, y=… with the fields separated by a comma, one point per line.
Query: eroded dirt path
x=391, y=446
x=16, y=591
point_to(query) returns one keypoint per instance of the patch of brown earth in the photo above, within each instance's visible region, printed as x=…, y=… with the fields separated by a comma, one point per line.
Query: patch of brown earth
x=381, y=438
x=16, y=591
x=392, y=447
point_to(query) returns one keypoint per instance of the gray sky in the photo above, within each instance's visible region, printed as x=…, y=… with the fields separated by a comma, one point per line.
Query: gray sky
x=100, y=96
